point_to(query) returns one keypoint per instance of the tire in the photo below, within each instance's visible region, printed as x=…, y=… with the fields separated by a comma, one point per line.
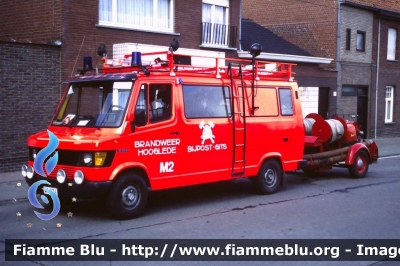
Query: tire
x=269, y=177
x=128, y=196
x=359, y=168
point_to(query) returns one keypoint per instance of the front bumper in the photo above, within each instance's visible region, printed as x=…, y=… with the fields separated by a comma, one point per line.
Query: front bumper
x=88, y=190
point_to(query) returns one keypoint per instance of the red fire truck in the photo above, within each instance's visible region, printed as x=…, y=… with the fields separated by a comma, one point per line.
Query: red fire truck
x=141, y=126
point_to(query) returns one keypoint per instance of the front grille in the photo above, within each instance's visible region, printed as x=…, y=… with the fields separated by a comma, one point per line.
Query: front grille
x=73, y=158
x=69, y=171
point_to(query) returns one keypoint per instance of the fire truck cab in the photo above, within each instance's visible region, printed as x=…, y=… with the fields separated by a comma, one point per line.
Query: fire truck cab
x=158, y=125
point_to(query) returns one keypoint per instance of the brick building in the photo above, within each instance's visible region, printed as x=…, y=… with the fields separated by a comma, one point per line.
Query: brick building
x=362, y=38
x=46, y=45
x=315, y=82
x=29, y=92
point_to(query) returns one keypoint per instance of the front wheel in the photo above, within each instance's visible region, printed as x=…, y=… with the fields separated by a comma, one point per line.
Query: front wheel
x=269, y=177
x=359, y=168
x=128, y=197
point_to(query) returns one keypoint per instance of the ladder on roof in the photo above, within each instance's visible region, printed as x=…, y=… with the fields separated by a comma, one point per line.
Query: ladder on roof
x=239, y=125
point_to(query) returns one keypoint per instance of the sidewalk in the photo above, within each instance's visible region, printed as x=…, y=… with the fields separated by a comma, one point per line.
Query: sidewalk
x=386, y=147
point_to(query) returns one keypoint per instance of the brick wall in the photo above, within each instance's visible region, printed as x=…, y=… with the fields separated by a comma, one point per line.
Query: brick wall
x=30, y=91
x=389, y=75
x=310, y=25
x=392, y=5
x=75, y=23
x=33, y=72
x=356, y=20
x=83, y=34
x=33, y=21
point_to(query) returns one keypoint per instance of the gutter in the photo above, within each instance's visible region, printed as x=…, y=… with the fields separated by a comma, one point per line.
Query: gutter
x=240, y=26
x=286, y=58
x=377, y=78
x=338, y=66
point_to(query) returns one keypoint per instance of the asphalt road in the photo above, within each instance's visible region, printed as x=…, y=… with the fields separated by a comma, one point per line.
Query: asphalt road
x=330, y=205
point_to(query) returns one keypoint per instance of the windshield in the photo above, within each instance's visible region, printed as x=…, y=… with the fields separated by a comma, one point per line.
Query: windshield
x=94, y=104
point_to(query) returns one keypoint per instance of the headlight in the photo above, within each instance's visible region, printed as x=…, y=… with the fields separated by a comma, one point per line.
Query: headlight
x=23, y=170
x=29, y=172
x=99, y=158
x=88, y=159
x=61, y=176
x=79, y=177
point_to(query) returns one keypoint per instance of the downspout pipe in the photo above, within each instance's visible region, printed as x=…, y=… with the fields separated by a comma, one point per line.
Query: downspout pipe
x=377, y=76
x=338, y=55
x=240, y=26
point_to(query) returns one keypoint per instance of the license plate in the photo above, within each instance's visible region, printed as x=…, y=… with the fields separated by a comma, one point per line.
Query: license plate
x=50, y=188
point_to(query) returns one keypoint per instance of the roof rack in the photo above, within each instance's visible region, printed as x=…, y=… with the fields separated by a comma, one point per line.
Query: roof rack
x=263, y=70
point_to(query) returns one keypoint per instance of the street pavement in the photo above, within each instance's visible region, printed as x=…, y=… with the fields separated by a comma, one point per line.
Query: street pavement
x=332, y=206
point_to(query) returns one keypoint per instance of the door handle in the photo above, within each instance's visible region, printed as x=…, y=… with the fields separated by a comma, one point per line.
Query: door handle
x=285, y=139
x=175, y=133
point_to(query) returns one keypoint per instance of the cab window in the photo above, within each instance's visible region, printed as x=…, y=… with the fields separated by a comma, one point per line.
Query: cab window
x=153, y=104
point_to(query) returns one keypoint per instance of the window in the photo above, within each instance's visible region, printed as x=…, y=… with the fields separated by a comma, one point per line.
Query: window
x=206, y=101
x=94, y=104
x=265, y=101
x=354, y=91
x=348, y=38
x=285, y=97
x=154, y=15
x=391, y=50
x=389, y=104
x=360, y=41
x=155, y=101
x=215, y=22
x=349, y=91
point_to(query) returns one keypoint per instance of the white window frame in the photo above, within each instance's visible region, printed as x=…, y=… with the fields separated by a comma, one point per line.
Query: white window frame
x=114, y=15
x=389, y=104
x=225, y=5
x=391, y=48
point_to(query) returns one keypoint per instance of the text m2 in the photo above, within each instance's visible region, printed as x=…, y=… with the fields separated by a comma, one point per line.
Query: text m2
x=167, y=167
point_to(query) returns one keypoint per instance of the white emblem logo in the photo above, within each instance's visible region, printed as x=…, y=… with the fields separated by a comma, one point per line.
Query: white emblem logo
x=207, y=132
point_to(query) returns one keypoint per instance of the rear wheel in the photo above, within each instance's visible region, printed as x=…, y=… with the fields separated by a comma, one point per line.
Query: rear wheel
x=128, y=197
x=269, y=177
x=359, y=168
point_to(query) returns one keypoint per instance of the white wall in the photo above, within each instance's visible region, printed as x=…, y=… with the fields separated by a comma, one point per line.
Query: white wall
x=309, y=100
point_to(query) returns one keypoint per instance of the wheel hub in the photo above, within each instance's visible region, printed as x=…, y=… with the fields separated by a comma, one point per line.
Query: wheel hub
x=269, y=177
x=130, y=196
x=360, y=163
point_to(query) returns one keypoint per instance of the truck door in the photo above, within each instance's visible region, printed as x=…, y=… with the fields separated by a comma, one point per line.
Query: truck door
x=207, y=131
x=156, y=141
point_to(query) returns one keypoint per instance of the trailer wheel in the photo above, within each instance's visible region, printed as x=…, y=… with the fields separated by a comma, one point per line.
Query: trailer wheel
x=269, y=177
x=128, y=197
x=359, y=168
